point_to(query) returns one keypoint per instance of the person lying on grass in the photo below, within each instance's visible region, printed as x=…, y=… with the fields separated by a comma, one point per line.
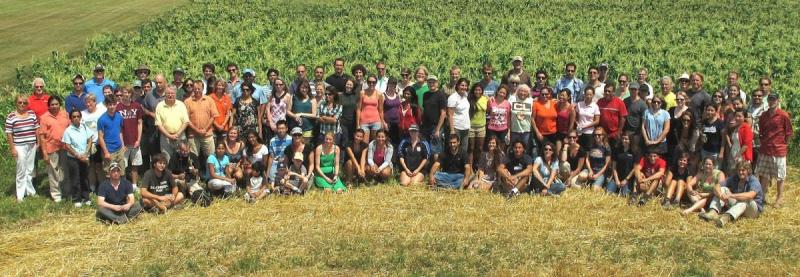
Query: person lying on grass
x=741, y=194
x=115, y=201
x=705, y=181
x=455, y=170
x=649, y=173
x=159, y=190
x=257, y=186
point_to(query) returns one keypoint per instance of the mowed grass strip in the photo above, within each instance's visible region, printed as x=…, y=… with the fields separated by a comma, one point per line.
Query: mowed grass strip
x=389, y=229
x=33, y=29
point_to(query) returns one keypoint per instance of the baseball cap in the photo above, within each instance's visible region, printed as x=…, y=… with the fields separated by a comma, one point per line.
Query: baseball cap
x=413, y=127
x=684, y=76
x=142, y=67
x=774, y=95
x=114, y=166
x=178, y=70
x=249, y=71
x=516, y=58
x=432, y=77
x=99, y=67
x=633, y=85
x=298, y=156
x=604, y=65
x=296, y=131
x=137, y=83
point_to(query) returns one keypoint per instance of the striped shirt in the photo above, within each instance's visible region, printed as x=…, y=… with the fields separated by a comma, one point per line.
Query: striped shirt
x=335, y=111
x=23, y=129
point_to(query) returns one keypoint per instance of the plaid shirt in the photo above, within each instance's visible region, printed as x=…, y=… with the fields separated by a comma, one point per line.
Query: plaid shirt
x=335, y=111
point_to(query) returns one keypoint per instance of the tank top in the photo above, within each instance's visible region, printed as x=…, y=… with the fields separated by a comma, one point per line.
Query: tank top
x=379, y=155
x=563, y=119
x=278, y=110
x=369, y=109
x=708, y=187
x=391, y=108
x=300, y=106
x=407, y=118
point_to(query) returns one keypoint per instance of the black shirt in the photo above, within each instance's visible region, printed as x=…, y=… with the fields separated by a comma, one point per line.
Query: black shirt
x=624, y=161
x=516, y=164
x=337, y=81
x=358, y=149
x=636, y=109
x=118, y=196
x=288, y=155
x=697, y=104
x=575, y=160
x=179, y=164
x=451, y=163
x=349, y=102
x=713, y=135
x=434, y=103
x=413, y=155
x=158, y=185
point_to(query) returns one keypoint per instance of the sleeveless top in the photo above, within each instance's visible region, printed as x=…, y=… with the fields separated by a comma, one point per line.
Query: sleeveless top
x=278, y=110
x=326, y=161
x=379, y=155
x=708, y=187
x=237, y=156
x=300, y=106
x=563, y=120
x=391, y=108
x=677, y=175
x=369, y=109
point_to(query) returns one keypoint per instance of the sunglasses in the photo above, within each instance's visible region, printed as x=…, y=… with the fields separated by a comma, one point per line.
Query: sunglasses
x=573, y=137
x=232, y=70
x=757, y=96
x=38, y=86
x=679, y=99
x=78, y=83
x=381, y=68
x=548, y=149
x=405, y=75
x=541, y=77
x=372, y=82
x=765, y=84
x=22, y=102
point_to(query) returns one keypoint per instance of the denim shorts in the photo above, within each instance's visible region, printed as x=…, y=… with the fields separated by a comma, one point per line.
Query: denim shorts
x=375, y=126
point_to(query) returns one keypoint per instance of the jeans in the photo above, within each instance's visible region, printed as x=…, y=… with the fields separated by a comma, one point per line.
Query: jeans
x=449, y=180
x=736, y=208
x=26, y=154
x=555, y=188
x=463, y=137
x=613, y=188
x=76, y=183
x=523, y=137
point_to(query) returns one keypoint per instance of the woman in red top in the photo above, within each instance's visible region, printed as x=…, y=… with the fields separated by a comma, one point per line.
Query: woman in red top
x=409, y=111
x=740, y=140
x=544, y=117
x=566, y=117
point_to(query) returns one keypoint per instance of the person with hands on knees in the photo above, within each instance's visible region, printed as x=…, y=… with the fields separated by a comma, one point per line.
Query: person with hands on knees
x=379, y=157
x=159, y=190
x=515, y=173
x=220, y=172
x=545, y=172
x=414, y=157
x=115, y=201
x=598, y=159
x=649, y=173
x=327, y=165
x=257, y=185
x=451, y=170
x=741, y=194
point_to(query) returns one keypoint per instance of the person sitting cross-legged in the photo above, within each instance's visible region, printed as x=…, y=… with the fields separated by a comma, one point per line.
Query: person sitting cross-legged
x=741, y=194
x=516, y=170
x=115, y=201
x=455, y=171
x=159, y=190
x=649, y=173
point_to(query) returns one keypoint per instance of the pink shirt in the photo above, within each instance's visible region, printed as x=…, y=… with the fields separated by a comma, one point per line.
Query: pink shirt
x=499, y=114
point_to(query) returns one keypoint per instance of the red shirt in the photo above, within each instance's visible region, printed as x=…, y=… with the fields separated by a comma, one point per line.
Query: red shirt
x=407, y=118
x=610, y=113
x=746, y=140
x=38, y=104
x=652, y=168
x=131, y=115
x=775, y=132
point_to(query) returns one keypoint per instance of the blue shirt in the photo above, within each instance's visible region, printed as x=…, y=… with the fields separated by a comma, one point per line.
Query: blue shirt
x=751, y=184
x=118, y=196
x=77, y=138
x=574, y=85
x=655, y=122
x=490, y=88
x=73, y=101
x=92, y=86
x=544, y=169
x=259, y=94
x=219, y=165
x=111, y=127
x=278, y=145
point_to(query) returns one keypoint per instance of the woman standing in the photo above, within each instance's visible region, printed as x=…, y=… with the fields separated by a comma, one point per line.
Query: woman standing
x=224, y=104
x=545, y=117
x=392, y=104
x=477, y=112
x=329, y=113
x=379, y=158
x=712, y=136
x=246, y=108
x=566, y=117
x=488, y=163
x=588, y=116
x=21, y=128
x=327, y=165
x=275, y=109
x=655, y=126
x=409, y=112
x=304, y=109
x=458, y=113
x=499, y=110
x=521, y=106
x=740, y=139
x=369, y=111
x=405, y=80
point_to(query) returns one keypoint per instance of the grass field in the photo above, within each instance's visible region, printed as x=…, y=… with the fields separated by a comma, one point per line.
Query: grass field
x=389, y=230
x=33, y=29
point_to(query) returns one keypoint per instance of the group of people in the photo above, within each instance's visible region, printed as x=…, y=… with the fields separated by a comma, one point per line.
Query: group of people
x=716, y=153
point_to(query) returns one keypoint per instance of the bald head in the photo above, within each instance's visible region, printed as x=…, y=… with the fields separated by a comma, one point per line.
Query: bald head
x=161, y=83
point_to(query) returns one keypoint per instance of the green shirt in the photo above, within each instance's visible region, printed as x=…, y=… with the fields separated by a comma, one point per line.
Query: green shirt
x=421, y=90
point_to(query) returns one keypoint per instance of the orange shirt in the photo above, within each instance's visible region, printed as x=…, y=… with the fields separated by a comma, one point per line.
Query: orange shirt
x=53, y=127
x=224, y=106
x=201, y=112
x=546, y=118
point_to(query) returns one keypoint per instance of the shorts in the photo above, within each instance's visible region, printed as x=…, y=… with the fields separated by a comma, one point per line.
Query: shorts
x=375, y=126
x=133, y=156
x=771, y=166
x=500, y=135
x=477, y=132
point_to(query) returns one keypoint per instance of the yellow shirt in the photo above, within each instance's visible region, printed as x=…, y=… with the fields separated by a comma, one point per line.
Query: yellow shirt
x=670, y=100
x=171, y=117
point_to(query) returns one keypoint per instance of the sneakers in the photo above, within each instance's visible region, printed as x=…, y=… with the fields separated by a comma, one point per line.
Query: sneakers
x=723, y=220
x=666, y=204
x=642, y=201
x=88, y=203
x=511, y=194
x=711, y=215
x=78, y=205
x=633, y=199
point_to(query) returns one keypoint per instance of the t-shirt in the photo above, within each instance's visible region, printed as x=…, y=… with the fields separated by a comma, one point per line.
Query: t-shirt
x=277, y=146
x=111, y=126
x=421, y=91
x=712, y=132
x=453, y=163
x=488, y=164
x=585, y=116
x=624, y=161
x=358, y=148
x=516, y=164
x=655, y=122
x=90, y=119
x=113, y=196
x=460, y=106
x=257, y=155
x=544, y=169
x=649, y=168
x=434, y=103
x=751, y=184
x=158, y=185
x=479, y=118
x=23, y=129
x=349, y=102
x=575, y=160
x=489, y=88
x=597, y=157
x=255, y=183
x=413, y=155
x=288, y=154
x=131, y=115
x=219, y=164
x=337, y=81
x=499, y=115
x=610, y=113
x=636, y=109
x=546, y=116
x=179, y=164
x=521, y=115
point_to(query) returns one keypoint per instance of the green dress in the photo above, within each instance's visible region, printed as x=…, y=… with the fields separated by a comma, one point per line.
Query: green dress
x=326, y=164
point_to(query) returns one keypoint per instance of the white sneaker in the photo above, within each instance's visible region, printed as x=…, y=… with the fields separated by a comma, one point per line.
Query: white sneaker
x=57, y=200
x=78, y=205
x=88, y=203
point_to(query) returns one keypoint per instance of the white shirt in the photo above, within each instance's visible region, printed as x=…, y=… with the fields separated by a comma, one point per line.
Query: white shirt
x=460, y=105
x=586, y=114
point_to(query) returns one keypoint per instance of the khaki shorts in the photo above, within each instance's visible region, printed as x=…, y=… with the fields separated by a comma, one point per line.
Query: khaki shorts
x=477, y=132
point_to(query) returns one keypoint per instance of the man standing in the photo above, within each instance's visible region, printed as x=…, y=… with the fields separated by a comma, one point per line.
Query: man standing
x=115, y=201
x=612, y=113
x=319, y=75
x=455, y=171
x=177, y=83
x=301, y=76
x=202, y=112
x=489, y=84
x=595, y=83
x=433, y=116
x=383, y=80
x=754, y=110
x=539, y=84
x=642, y=80
x=234, y=81
x=743, y=195
x=603, y=73
x=775, y=133
x=132, y=115
x=142, y=72
x=159, y=191
x=260, y=94
x=698, y=97
x=109, y=131
x=684, y=83
x=636, y=106
x=338, y=78
x=53, y=123
x=518, y=71
x=171, y=119
x=96, y=84
x=37, y=102
x=570, y=82
x=733, y=80
x=150, y=133
x=76, y=99
x=455, y=74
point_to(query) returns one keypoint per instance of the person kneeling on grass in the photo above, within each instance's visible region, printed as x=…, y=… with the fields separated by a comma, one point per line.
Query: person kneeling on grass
x=294, y=179
x=649, y=173
x=455, y=171
x=159, y=190
x=379, y=158
x=515, y=172
x=327, y=159
x=257, y=186
x=115, y=201
x=741, y=194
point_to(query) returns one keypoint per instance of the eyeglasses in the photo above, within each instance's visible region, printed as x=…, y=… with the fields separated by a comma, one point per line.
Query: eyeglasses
x=757, y=95
x=765, y=84
x=541, y=77
x=679, y=99
x=38, y=86
x=718, y=96
x=372, y=82
x=572, y=137
x=78, y=83
x=232, y=70
x=683, y=81
x=487, y=73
